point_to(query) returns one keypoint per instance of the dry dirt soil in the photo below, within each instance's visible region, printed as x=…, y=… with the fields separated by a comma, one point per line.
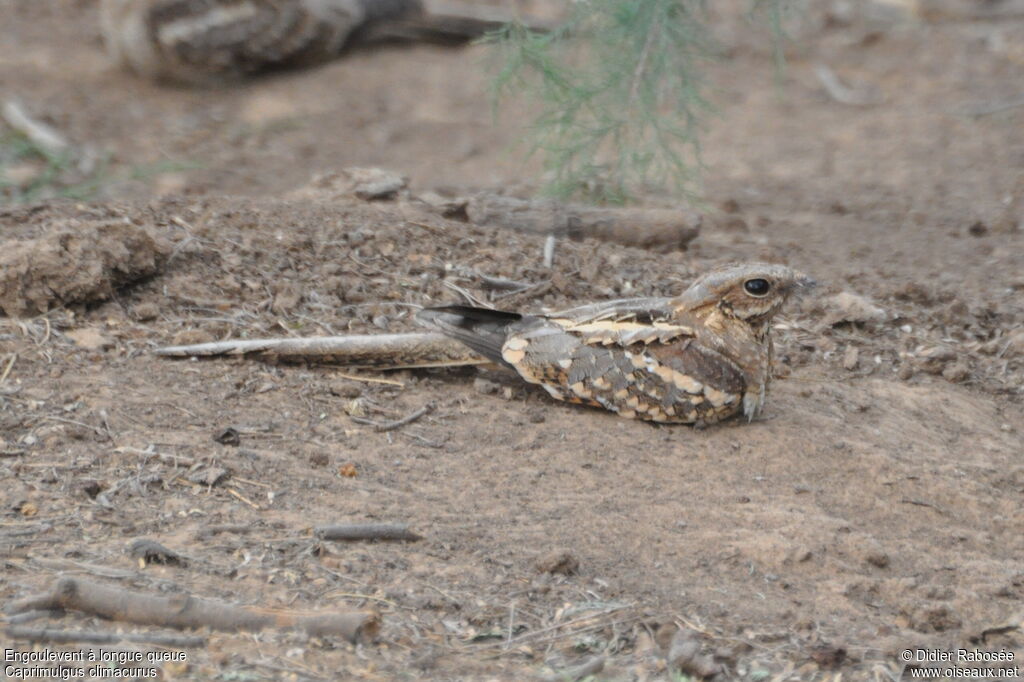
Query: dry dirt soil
x=878, y=504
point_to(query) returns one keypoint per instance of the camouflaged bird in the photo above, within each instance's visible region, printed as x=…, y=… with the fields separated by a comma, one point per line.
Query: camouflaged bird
x=698, y=358
x=211, y=40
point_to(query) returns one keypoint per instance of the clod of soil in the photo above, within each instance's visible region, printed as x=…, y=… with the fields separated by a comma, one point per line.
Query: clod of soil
x=558, y=561
x=75, y=262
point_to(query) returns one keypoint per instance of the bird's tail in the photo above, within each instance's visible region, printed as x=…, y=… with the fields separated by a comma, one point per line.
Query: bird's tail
x=482, y=329
x=378, y=351
x=445, y=22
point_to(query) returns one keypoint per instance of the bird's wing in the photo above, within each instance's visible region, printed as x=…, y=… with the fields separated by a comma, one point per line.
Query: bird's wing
x=627, y=356
x=623, y=322
x=251, y=34
x=639, y=309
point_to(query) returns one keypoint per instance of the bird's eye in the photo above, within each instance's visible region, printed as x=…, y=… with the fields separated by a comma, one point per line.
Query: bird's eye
x=757, y=287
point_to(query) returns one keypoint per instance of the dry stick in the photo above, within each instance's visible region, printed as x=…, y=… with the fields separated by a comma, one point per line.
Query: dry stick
x=535, y=291
x=421, y=441
x=293, y=671
x=391, y=351
x=210, y=531
x=234, y=493
x=586, y=669
x=502, y=284
x=549, y=251
x=67, y=636
x=921, y=503
x=7, y=369
x=30, y=616
x=40, y=134
x=583, y=619
x=838, y=91
x=177, y=460
x=580, y=631
x=96, y=429
x=490, y=282
x=367, y=531
x=473, y=300
x=398, y=423
x=371, y=380
x=184, y=611
x=642, y=227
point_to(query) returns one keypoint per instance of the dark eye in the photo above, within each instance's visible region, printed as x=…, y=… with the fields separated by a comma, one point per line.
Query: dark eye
x=757, y=287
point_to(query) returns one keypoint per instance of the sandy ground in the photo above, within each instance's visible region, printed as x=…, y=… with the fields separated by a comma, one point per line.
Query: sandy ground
x=877, y=505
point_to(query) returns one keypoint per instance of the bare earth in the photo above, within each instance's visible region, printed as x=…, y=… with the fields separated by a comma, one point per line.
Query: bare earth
x=878, y=505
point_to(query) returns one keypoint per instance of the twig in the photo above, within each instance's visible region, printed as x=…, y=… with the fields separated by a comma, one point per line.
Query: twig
x=580, y=631
x=921, y=503
x=444, y=594
x=489, y=281
x=407, y=419
x=185, y=611
x=367, y=531
x=641, y=65
x=98, y=430
x=420, y=440
x=556, y=626
x=426, y=226
x=398, y=423
x=294, y=672
x=248, y=482
x=371, y=380
x=67, y=636
x=502, y=284
x=511, y=623
x=838, y=91
x=7, y=369
x=243, y=498
x=357, y=595
x=210, y=531
x=30, y=616
x=42, y=135
x=535, y=290
x=473, y=300
x=549, y=251
x=588, y=668
x=657, y=228
x=162, y=456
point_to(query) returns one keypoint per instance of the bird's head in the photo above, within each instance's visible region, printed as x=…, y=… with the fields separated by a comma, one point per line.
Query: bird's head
x=752, y=292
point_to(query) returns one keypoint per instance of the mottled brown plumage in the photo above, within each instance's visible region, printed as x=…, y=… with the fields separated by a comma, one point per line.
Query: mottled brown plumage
x=697, y=358
x=210, y=41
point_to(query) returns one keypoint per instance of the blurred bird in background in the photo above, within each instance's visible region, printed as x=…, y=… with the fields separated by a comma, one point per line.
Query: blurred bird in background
x=214, y=41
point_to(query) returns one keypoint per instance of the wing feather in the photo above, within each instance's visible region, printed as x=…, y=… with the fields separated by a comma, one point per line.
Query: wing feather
x=622, y=322
x=620, y=310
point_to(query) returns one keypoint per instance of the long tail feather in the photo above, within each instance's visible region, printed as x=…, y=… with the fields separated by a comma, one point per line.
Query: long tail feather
x=380, y=351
